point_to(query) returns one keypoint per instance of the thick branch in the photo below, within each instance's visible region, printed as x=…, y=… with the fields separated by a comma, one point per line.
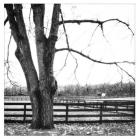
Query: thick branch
x=101, y=62
x=93, y=60
x=23, y=52
x=96, y=22
x=20, y=21
x=54, y=24
x=38, y=17
x=12, y=21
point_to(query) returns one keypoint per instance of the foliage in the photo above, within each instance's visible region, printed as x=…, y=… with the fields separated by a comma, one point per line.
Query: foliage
x=106, y=129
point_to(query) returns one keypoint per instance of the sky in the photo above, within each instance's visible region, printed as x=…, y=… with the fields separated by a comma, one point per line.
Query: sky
x=117, y=45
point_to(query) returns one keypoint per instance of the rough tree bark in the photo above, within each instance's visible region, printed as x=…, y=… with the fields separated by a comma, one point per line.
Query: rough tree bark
x=45, y=53
x=42, y=89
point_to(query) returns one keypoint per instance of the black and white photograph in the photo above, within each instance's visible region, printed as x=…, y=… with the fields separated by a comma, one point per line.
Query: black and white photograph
x=69, y=69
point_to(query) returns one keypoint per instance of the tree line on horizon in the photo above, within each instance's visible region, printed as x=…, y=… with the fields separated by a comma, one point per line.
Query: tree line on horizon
x=112, y=90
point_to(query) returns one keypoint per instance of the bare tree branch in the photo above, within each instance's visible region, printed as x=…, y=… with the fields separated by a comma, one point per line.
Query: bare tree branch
x=12, y=21
x=64, y=64
x=120, y=21
x=125, y=72
x=100, y=23
x=55, y=20
x=7, y=65
x=94, y=60
x=75, y=67
x=8, y=48
x=93, y=33
x=5, y=21
x=68, y=46
x=61, y=34
x=121, y=74
x=91, y=38
x=18, y=31
x=64, y=29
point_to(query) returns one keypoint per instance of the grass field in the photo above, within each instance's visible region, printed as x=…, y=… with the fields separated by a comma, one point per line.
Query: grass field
x=106, y=129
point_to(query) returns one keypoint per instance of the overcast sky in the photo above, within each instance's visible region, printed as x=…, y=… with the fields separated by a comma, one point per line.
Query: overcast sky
x=117, y=45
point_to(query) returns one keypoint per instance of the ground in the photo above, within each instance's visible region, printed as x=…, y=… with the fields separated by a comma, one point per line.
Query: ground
x=105, y=129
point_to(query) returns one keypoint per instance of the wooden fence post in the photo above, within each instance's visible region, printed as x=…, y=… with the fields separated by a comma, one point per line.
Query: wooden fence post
x=67, y=109
x=134, y=111
x=116, y=108
x=24, y=115
x=101, y=109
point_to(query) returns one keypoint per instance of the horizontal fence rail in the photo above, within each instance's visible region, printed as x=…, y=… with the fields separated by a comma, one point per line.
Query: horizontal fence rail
x=76, y=112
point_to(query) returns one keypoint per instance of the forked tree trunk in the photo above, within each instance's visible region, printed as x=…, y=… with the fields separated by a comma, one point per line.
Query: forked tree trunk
x=42, y=89
x=45, y=53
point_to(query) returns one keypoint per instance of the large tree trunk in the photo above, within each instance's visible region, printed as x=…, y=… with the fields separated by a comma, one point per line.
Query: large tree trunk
x=45, y=53
x=32, y=83
x=23, y=55
x=42, y=89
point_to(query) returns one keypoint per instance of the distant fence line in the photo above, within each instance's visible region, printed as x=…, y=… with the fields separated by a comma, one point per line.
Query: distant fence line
x=80, y=112
x=68, y=98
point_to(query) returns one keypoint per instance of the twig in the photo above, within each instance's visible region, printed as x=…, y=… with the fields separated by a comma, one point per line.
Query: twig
x=75, y=68
x=91, y=38
x=7, y=65
x=68, y=46
x=125, y=72
x=64, y=64
x=64, y=29
x=121, y=74
x=8, y=48
x=61, y=34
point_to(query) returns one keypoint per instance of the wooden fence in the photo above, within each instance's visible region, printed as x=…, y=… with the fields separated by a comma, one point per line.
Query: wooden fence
x=66, y=112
